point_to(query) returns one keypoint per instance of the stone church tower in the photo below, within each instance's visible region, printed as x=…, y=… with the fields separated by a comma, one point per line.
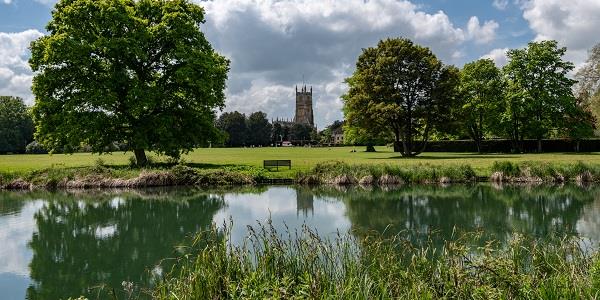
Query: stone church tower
x=304, y=108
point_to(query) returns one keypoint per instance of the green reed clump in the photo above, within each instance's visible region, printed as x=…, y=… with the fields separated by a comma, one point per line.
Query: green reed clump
x=185, y=175
x=527, y=171
x=342, y=173
x=305, y=265
x=506, y=167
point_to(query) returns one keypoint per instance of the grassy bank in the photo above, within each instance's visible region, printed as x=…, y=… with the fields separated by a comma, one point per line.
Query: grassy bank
x=334, y=172
x=110, y=177
x=303, y=159
x=305, y=265
x=341, y=173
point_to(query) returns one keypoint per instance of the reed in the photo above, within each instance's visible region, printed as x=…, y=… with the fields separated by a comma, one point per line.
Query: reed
x=306, y=265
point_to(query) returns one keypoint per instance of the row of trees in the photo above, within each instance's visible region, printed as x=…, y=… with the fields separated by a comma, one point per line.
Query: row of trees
x=256, y=130
x=401, y=91
x=16, y=125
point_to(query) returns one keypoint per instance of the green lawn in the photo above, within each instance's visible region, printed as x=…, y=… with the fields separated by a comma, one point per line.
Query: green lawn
x=302, y=158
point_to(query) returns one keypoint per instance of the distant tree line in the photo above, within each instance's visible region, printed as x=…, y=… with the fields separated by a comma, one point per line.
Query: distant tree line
x=240, y=130
x=401, y=92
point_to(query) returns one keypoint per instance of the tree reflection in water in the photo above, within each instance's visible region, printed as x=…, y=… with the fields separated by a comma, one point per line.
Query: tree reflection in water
x=438, y=213
x=105, y=239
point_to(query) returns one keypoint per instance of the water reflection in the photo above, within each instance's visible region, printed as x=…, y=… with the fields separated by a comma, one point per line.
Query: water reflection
x=63, y=244
x=537, y=211
x=101, y=240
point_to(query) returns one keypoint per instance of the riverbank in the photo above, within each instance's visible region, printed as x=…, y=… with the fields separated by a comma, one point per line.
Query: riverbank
x=303, y=159
x=333, y=173
x=305, y=264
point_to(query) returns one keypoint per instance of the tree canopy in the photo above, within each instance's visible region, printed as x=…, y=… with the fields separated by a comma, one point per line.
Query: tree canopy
x=135, y=72
x=402, y=89
x=234, y=125
x=540, y=93
x=481, y=87
x=16, y=126
x=259, y=129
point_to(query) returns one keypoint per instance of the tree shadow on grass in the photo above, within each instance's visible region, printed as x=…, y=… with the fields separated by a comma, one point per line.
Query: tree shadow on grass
x=164, y=165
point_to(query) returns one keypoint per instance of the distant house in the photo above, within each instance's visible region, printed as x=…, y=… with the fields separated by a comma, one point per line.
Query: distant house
x=286, y=144
x=337, y=136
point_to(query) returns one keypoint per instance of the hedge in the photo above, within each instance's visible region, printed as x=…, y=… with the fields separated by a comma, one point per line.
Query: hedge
x=506, y=146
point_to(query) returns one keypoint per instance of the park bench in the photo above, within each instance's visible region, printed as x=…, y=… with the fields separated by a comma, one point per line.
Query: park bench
x=277, y=163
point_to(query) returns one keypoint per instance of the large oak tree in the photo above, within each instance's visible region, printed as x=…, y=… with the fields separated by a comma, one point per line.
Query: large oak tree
x=138, y=72
x=401, y=89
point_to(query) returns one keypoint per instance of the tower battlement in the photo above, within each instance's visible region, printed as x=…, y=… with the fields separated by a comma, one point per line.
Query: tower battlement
x=304, y=108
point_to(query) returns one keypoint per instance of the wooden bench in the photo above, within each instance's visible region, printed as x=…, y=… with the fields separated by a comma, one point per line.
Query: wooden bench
x=277, y=163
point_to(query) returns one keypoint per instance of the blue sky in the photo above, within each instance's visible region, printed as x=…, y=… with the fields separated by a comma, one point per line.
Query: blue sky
x=273, y=43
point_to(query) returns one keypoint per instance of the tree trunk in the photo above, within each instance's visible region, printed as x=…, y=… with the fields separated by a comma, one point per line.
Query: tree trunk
x=140, y=157
x=478, y=144
x=539, y=148
x=397, y=142
x=577, y=146
x=370, y=147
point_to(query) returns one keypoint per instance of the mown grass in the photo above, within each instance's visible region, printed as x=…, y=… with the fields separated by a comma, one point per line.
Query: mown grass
x=332, y=172
x=305, y=265
x=303, y=159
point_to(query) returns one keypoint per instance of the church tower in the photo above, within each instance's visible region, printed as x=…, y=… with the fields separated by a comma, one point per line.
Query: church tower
x=304, y=108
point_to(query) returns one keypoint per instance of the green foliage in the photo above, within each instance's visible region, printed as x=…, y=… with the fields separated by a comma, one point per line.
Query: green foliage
x=259, y=129
x=539, y=91
x=399, y=89
x=234, y=125
x=277, y=133
x=134, y=72
x=276, y=265
x=481, y=87
x=579, y=172
x=16, y=126
x=330, y=172
x=506, y=167
x=325, y=136
x=301, y=132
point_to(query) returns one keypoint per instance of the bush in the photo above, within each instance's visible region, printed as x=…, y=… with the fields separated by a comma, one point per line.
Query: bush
x=35, y=148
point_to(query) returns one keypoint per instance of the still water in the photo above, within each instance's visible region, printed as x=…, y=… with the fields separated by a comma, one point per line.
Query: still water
x=64, y=244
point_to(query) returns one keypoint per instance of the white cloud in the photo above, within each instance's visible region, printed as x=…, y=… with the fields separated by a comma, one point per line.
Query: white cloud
x=46, y=2
x=481, y=34
x=498, y=56
x=272, y=44
x=500, y=4
x=15, y=74
x=573, y=23
x=7, y=1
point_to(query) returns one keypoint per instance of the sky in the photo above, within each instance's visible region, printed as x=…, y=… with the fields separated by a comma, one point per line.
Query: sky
x=275, y=45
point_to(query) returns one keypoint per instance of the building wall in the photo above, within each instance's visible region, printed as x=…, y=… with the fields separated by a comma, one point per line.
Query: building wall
x=338, y=138
x=304, y=109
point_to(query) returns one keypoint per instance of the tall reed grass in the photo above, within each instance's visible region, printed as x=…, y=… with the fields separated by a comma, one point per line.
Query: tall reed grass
x=342, y=174
x=306, y=265
x=580, y=172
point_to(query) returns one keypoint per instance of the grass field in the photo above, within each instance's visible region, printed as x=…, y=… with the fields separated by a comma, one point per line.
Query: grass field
x=302, y=158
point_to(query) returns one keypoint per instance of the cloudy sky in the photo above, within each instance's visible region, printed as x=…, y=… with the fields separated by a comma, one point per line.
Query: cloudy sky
x=273, y=44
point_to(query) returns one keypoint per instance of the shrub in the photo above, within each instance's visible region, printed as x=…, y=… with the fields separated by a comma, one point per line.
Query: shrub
x=35, y=148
